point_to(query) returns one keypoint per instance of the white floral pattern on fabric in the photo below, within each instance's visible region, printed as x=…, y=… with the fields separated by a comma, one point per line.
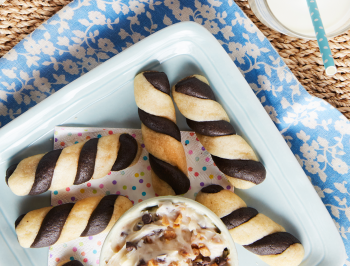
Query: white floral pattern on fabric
x=86, y=33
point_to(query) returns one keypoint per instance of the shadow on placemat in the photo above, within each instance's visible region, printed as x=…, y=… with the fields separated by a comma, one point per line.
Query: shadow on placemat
x=20, y=17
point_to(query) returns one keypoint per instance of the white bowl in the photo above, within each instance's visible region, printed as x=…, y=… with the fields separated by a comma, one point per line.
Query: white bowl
x=135, y=211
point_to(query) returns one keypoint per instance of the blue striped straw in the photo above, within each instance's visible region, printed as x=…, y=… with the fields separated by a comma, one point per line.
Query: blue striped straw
x=322, y=41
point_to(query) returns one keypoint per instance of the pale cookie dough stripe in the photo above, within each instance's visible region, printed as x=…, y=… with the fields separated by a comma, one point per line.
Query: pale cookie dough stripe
x=78, y=218
x=28, y=225
x=22, y=178
x=292, y=256
x=66, y=167
x=198, y=109
x=255, y=229
x=228, y=147
x=107, y=151
x=221, y=202
x=153, y=101
x=173, y=153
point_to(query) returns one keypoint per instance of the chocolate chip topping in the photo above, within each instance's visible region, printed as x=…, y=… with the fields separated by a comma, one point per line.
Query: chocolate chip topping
x=10, y=171
x=147, y=218
x=194, y=87
x=160, y=124
x=73, y=263
x=247, y=170
x=238, y=217
x=44, y=172
x=52, y=225
x=212, y=189
x=101, y=216
x=127, y=152
x=129, y=246
x=272, y=244
x=159, y=80
x=19, y=219
x=170, y=174
x=86, y=163
x=212, y=128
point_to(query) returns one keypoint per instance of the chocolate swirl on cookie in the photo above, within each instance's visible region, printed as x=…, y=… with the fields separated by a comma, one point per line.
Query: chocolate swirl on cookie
x=160, y=133
x=255, y=231
x=236, y=159
x=73, y=165
x=68, y=221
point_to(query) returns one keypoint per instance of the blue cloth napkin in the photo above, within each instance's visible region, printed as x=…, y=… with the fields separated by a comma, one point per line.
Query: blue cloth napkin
x=86, y=33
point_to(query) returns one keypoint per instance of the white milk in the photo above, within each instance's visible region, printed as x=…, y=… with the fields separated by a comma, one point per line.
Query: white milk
x=294, y=14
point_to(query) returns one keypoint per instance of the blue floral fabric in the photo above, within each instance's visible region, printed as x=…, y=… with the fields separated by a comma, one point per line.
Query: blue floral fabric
x=86, y=33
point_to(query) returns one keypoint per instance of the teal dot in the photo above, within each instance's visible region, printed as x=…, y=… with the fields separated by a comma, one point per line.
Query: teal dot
x=76, y=142
x=94, y=251
x=99, y=136
x=204, y=168
x=122, y=172
x=195, y=194
x=187, y=141
x=133, y=188
x=108, y=193
x=145, y=158
x=143, y=193
x=197, y=159
x=69, y=134
x=71, y=258
x=55, y=192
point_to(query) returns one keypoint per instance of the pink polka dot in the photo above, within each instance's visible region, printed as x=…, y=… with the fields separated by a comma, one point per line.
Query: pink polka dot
x=118, y=192
x=134, y=135
x=190, y=152
x=196, y=174
x=57, y=259
x=98, y=262
x=80, y=134
x=219, y=177
x=88, y=184
x=75, y=249
x=83, y=253
x=101, y=185
x=109, y=173
x=189, y=188
x=67, y=189
x=85, y=260
x=110, y=132
x=132, y=202
x=207, y=159
x=59, y=202
x=98, y=243
x=148, y=168
x=197, y=139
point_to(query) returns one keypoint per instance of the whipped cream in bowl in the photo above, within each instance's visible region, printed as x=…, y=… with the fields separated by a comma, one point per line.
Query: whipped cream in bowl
x=169, y=230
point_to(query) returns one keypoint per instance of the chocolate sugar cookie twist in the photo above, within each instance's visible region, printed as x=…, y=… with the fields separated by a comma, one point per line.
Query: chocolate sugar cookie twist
x=87, y=217
x=255, y=231
x=160, y=133
x=70, y=263
x=73, y=165
x=230, y=152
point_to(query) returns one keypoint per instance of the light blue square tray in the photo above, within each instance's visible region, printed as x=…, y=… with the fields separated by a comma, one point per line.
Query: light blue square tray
x=104, y=98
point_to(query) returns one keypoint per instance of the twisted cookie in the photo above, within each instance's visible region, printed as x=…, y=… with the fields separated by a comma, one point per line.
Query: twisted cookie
x=73, y=165
x=230, y=152
x=160, y=133
x=87, y=217
x=255, y=231
x=70, y=263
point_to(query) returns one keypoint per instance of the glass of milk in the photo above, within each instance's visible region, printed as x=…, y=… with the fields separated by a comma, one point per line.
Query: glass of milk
x=292, y=17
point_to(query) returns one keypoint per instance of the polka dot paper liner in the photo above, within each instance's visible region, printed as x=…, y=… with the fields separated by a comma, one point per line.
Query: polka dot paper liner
x=134, y=182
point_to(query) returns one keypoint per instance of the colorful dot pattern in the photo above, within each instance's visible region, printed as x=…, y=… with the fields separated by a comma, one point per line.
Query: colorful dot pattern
x=134, y=182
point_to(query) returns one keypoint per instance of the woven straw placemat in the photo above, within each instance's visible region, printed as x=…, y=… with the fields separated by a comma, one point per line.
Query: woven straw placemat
x=20, y=17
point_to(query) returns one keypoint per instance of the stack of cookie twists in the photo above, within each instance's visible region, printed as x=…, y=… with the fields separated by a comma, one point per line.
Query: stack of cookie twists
x=73, y=165
x=160, y=133
x=255, y=231
x=87, y=217
x=230, y=152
